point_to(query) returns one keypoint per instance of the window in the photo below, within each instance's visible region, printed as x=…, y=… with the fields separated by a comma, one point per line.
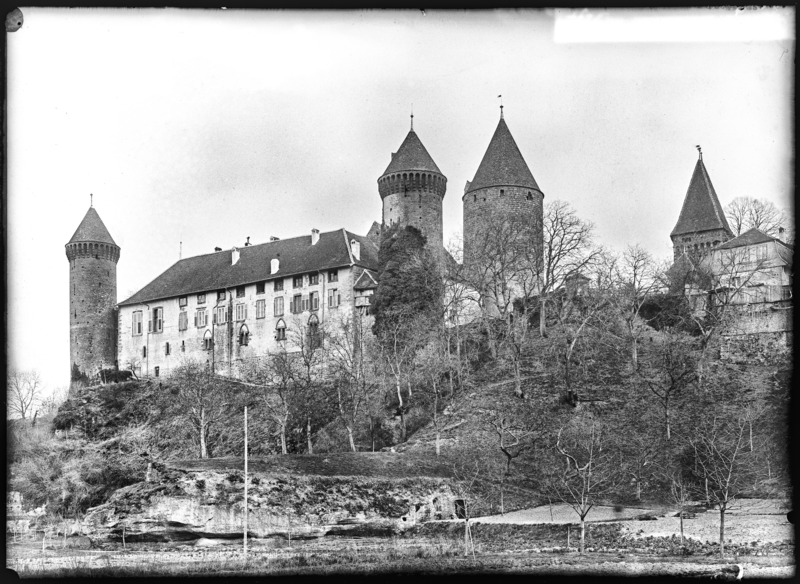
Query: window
x=260, y=287
x=278, y=285
x=144, y=352
x=183, y=320
x=183, y=346
x=314, y=301
x=333, y=276
x=157, y=368
x=208, y=341
x=314, y=337
x=220, y=295
x=200, y=318
x=306, y=303
x=313, y=279
x=241, y=311
x=201, y=298
x=157, y=324
x=183, y=301
x=297, y=282
x=244, y=335
x=333, y=297
x=261, y=308
x=167, y=348
x=221, y=315
x=278, y=306
x=295, y=306
x=529, y=196
x=502, y=192
x=280, y=331
x=239, y=291
x=136, y=323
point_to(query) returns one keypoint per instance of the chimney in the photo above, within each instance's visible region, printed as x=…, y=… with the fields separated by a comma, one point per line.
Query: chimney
x=247, y=243
x=273, y=238
x=355, y=249
x=234, y=256
x=217, y=249
x=314, y=236
x=274, y=265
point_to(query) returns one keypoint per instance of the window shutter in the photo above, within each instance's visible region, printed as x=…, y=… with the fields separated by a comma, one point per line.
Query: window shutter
x=149, y=326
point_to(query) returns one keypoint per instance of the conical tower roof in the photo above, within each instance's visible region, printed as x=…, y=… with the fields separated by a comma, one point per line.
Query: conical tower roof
x=411, y=155
x=92, y=229
x=701, y=210
x=503, y=164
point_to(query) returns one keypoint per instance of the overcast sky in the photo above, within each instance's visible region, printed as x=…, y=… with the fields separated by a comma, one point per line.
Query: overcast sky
x=207, y=127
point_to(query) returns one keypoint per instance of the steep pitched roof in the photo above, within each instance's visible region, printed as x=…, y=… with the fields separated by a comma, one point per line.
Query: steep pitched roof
x=701, y=210
x=92, y=228
x=503, y=164
x=411, y=155
x=296, y=255
x=750, y=237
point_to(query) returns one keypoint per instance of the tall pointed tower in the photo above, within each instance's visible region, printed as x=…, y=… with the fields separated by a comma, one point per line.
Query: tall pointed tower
x=504, y=186
x=412, y=188
x=93, y=258
x=702, y=223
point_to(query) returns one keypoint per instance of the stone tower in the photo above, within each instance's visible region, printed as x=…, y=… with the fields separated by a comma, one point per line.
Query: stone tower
x=702, y=223
x=503, y=186
x=93, y=258
x=412, y=188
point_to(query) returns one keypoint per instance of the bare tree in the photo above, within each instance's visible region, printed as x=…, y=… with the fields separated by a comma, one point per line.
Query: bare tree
x=350, y=359
x=568, y=248
x=723, y=459
x=744, y=213
x=24, y=392
x=589, y=471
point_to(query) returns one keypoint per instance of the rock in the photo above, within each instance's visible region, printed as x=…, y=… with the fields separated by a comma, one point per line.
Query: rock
x=205, y=542
x=78, y=542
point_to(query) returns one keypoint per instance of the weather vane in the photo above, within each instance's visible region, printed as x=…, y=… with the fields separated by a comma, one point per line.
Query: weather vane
x=700, y=151
x=412, y=117
x=501, y=106
x=91, y=200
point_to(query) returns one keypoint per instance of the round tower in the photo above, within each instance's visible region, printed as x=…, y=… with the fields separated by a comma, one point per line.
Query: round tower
x=93, y=258
x=503, y=186
x=412, y=188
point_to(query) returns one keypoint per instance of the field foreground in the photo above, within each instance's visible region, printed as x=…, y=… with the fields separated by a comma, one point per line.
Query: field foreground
x=761, y=543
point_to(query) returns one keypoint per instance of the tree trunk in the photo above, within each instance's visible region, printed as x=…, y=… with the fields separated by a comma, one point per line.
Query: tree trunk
x=722, y=531
x=438, y=442
x=680, y=514
x=638, y=490
x=583, y=534
x=542, y=319
x=635, y=354
x=708, y=498
x=466, y=534
x=203, y=447
x=518, y=378
x=283, y=440
x=308, y=435
x=350, y=437
x=666, y=418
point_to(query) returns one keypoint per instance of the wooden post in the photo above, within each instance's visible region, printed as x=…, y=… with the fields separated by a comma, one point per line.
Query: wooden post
x=567, y=537
x=245, y=481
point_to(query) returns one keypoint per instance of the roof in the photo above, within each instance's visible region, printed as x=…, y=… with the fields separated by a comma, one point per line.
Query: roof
x=366, y=281
x=411, y=155
x=750, y=237
x=92, y=228
x=503, y=164
x=214, y=271
x=701, y=210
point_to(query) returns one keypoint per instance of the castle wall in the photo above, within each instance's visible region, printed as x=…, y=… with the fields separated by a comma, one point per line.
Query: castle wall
x=226, y=352
x=92, y=309
x=422, y=210
x=481, y=204
x=697, y=245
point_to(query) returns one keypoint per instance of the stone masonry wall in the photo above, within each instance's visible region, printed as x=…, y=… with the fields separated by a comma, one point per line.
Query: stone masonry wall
x=422, y=210
x=482, y=203
x=92, y=310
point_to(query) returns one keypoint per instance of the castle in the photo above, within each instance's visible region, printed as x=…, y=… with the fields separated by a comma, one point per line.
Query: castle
x=227, y=306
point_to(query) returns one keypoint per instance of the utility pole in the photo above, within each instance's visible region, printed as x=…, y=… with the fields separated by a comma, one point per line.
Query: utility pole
x=245, y=481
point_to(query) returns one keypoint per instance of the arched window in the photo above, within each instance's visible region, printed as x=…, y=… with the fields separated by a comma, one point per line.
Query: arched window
x=280, y=330
x=208, y=341
x=314, y=337
x=529, y=196
x=244, y=335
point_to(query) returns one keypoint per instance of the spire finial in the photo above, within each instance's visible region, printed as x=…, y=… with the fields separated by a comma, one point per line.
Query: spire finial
x=501, y=106
x=699, y=151
x=180, y=250
x=91, y=200
x=412, y=117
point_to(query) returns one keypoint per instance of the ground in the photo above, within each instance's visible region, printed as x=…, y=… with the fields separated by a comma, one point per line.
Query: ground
x=618, y=544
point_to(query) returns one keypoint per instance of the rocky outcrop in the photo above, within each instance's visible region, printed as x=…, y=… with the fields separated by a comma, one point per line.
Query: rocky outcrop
x=188, y=505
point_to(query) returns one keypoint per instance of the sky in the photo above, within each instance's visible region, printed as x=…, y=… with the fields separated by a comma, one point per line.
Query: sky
x=199, y=128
